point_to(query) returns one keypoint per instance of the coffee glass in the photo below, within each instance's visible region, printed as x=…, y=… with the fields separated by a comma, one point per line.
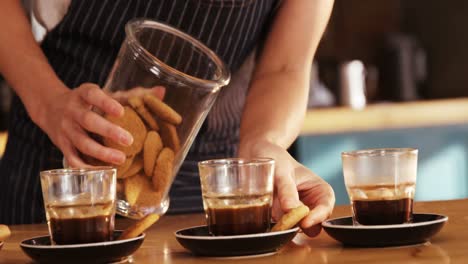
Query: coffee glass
x=79, y=204
x=381, y=184
x=237, y=195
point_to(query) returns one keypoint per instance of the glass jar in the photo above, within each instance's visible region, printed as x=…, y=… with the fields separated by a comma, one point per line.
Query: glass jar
x=168, y=82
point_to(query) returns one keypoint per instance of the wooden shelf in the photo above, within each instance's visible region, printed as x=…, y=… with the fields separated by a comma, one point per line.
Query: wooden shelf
x=386, y=116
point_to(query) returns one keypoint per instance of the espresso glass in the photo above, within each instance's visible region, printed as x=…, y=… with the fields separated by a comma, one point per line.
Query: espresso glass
x=171, y=80
x=237, y=195
x=381, y=184
x=79, y=204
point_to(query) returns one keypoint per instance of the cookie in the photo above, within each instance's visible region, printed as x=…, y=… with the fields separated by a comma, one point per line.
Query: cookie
x=131, y=122
x=151, y=149
x=122, y=169
x=138, y=105
x=162, y=110
x=135, y=167
x=169, y=136
x=139, y=227
x=4, y=232
x=133, y=187
x=290, y=219
x=148, y=196
x=163, y=170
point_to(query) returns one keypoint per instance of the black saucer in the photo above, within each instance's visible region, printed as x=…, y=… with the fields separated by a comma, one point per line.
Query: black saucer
x=200, y=242
x=40, y=250
x=423, y=227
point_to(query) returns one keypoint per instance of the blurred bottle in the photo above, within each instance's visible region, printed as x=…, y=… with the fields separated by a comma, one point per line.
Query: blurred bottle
x=352, y=84
x=403, y=68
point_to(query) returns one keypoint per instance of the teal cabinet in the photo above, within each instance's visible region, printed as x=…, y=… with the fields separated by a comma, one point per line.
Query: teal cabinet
x=442, y=159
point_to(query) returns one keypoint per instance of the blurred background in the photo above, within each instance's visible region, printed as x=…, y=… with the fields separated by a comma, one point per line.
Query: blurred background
x=392, y=73
x=388, y=73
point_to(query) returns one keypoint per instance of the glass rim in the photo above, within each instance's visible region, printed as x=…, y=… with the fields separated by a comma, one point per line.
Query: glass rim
x=379, y=152
x=224, y=74
x=60, y=172
x=238, y=162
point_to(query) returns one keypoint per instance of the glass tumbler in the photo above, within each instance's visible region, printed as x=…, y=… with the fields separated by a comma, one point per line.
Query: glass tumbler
x=79, y=204
x=237, y=195
x=169, y=81
x=381, y=184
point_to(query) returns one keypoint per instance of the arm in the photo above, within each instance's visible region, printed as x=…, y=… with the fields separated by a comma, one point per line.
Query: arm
x=62, y=113
x=278, y=97
x=282, y=76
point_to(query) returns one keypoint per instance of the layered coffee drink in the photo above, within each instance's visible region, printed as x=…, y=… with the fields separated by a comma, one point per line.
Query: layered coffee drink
x=238, y=214
x=382, y=204
x=77, y=224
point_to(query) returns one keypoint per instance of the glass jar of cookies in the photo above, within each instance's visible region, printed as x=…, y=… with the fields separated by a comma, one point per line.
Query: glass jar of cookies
x=167, y=82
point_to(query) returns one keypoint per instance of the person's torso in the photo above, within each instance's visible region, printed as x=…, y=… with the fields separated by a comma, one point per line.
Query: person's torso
x=91, y=31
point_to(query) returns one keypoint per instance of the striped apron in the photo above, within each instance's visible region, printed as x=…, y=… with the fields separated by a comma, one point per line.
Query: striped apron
x=83, y=47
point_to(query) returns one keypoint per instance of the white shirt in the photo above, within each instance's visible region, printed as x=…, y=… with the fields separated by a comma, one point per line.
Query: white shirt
x=46, y=14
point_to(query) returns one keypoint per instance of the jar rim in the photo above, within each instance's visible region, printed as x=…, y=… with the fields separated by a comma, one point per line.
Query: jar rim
x=223, y=74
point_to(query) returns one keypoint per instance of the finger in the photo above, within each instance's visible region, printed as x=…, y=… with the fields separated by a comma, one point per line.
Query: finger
x=276, y=211
x=123, y=95
x=93, y=95
x=311, y=224
x=95, y=123
x=316, y=216
x=90, y=147
x=159, y=91
x=71, y=155
x=286, y=189
x=313, y=231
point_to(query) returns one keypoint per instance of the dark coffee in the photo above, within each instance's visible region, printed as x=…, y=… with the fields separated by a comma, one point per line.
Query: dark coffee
x=383, y=212
x=227, y=221
x=81, y=230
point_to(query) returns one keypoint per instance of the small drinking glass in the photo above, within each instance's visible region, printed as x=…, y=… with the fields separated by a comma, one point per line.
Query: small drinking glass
x=79, y=204
x=381, y=184
x=237, y=195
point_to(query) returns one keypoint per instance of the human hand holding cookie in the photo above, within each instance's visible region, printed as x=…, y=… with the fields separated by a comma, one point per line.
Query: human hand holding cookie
x=295, y=186
x=291, y=219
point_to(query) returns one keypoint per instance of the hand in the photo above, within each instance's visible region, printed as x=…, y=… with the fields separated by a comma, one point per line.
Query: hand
x=122, y=95
x=68, y=116
x=294, y=184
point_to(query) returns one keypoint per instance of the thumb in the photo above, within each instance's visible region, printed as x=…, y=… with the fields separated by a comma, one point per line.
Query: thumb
x=288, y=196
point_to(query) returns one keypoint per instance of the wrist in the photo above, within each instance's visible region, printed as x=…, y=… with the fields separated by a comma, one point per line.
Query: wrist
x=249, y=146
x=37, y=104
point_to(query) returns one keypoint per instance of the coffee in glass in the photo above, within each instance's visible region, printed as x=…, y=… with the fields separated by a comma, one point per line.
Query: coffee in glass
x=237, y=195
x=80, y=204
x=381, y=185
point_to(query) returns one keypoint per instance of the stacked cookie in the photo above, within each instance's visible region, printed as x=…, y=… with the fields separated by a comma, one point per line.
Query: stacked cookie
x=148, y=169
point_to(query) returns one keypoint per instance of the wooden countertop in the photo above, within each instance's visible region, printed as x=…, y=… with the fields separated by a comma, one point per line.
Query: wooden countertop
x=160, y=245
x=386, y=116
